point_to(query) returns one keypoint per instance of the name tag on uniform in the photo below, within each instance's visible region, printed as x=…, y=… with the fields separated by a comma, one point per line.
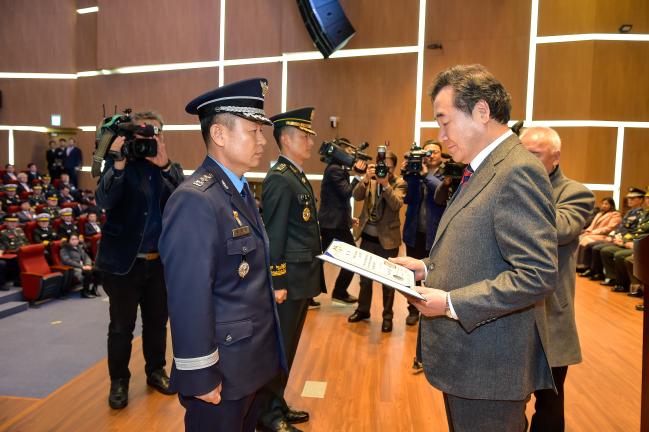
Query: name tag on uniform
x=241, y=231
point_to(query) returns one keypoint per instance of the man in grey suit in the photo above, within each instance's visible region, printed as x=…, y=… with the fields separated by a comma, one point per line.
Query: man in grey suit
x=574, y=204
x=493, y=262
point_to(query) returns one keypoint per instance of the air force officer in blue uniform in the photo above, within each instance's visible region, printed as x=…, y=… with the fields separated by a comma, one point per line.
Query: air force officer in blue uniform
x=224, y=325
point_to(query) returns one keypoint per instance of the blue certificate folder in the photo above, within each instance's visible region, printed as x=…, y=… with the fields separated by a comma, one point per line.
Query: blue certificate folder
x=371, y=266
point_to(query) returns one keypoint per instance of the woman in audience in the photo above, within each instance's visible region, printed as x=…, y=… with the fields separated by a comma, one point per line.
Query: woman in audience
x=603, y=223
x=75, y=256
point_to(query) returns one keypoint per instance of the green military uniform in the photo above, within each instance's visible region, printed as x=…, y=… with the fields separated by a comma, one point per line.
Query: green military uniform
x=12, y=239
x=7, y=200
x=291, y=219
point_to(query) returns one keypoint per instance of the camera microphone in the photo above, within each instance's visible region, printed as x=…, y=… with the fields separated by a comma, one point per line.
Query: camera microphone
x=363, y=146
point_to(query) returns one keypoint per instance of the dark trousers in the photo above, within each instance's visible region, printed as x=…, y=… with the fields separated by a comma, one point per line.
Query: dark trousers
x=144, y=286
x=548, y=416
x=229, y=415
x=613, y=261
x=345, y=276
x=596, y=266
x=371, y=244
x=473, y=415
x=292, y=314
x=418, y=251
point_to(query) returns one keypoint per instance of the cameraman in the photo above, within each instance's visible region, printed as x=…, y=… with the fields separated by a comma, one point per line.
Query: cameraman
x=379, y=228
x=336, y=214
x=133, y=192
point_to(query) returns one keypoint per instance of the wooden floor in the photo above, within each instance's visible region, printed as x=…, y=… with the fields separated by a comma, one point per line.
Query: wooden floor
x=370, y=386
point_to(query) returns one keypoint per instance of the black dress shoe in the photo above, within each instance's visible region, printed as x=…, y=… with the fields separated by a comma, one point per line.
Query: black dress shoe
x=118, y=396
x=358, y=316
x=417, y=366
x=344, y=298
x=386, y=327
x=281, y=425
x=619, y=288
x=635, y=294
x=639, y=307
x=295, y=417
x=608, y=282
x=412, y=318
x=596, y=277
x=159, y=380
x=313, y=304
x=586, y=273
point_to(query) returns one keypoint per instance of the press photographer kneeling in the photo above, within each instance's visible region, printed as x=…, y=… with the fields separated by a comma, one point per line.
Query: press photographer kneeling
x=136, y=182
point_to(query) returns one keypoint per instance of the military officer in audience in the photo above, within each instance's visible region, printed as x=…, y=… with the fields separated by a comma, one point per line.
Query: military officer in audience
x=67, y=227
x=37, y=196
x=44, y=233
x=292, y=225
x=224, y=323
x=10, y=198
x=53, y=206
x=12, y=237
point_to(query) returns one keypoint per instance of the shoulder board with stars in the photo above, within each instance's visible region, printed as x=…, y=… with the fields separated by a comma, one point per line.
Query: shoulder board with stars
x=204, y=181
x=280, y=167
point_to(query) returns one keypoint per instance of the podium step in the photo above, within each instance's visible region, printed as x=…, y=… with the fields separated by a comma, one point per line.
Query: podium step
x=12, y=307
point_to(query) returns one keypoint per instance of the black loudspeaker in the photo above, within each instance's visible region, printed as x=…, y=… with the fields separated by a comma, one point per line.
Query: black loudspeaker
x=327, y=24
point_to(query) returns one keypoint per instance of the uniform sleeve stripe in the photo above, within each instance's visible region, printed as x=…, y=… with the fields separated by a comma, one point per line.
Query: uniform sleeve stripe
x=197, y=362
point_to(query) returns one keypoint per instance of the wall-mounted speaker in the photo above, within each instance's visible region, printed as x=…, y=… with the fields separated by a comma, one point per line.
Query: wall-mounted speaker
x=327, y=24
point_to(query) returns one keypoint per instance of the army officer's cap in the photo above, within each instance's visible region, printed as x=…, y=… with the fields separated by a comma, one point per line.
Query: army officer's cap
x=243, y=99
x=300, y=118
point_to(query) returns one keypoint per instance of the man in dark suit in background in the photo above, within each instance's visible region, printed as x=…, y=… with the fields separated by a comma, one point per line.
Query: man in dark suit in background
x=292, y=225
x=72, y=161
x=336, y=215
x=493, y=262
x=574, y=204
x=224, y=324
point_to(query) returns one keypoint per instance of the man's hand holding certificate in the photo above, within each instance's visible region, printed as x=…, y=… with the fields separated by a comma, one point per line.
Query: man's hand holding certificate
x=433, y=301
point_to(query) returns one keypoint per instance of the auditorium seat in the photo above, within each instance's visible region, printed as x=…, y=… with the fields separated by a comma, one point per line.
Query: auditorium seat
x=38, y=279
x=94, y=246
x=81, y=224
x=29, y=230
x=13, y=209
x=55, y=258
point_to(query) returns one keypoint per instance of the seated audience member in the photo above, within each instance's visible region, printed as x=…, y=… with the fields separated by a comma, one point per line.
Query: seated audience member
x=66, y=182
x=604, y=222
x=591, y=257
x=32, y=173
x=25, y=214
x=92, y=226
x=92, y=206
x=52, y=206
x=67, y=227
x=65, y=196
x=23, y=183
x=10, y=174
x=75, y=256
x=10, y=198
x=43, y=233
x=613, y=256
x=48, y=188
x=11, y=239
x=37, y=196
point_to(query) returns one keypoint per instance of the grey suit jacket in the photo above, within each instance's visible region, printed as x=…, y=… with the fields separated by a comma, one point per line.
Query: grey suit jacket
x=574, y=203
x=496, y=252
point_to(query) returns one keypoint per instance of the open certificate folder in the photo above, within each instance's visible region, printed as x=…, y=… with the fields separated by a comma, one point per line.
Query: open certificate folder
x=372, y=266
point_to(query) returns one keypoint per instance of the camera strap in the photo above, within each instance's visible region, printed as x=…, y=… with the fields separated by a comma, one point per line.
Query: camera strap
x=106, y=139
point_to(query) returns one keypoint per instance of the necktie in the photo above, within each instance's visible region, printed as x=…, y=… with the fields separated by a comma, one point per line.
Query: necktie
x=468, y=172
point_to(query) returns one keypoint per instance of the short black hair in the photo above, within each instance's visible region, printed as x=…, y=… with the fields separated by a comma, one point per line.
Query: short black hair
x=471, y=84
x=225, y=119
x=433, y=142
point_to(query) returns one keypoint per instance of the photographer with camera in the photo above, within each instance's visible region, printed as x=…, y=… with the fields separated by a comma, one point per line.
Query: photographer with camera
x=136, y=182
x=382, y=193
x=336, y=211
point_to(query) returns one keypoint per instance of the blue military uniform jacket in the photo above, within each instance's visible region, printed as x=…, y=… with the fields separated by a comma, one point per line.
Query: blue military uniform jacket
x=224, y=322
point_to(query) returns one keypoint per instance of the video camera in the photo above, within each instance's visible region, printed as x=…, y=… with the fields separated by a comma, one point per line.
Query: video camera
x=134, y=147
x=334, y=151
x=450, y=168
x=414, y=160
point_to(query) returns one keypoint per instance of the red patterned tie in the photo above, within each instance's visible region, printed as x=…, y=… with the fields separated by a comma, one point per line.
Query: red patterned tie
x=468, y=171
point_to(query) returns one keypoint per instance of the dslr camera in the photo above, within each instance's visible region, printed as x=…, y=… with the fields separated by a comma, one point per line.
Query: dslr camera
x=342, y=152
x=414, y=160
x=381, y=168
x=138, y=140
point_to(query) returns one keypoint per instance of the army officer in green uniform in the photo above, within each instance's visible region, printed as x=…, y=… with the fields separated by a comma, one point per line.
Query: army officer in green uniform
x=292, y=225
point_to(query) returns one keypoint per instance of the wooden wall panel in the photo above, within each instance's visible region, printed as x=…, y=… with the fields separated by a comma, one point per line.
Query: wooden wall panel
x=4, y=148
x=86, y=3
x=564, y=81
x=372, y=96
x=636, y=159
x=167, y=92
x=156, y=32
x=86, y=47
x=588, y=154
x=33, y=101
x=253, y=28
x=30, y=147
x=620, y=89
x=493, y=33
x=37, y=36
x=558, y=17
x=272, y=105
